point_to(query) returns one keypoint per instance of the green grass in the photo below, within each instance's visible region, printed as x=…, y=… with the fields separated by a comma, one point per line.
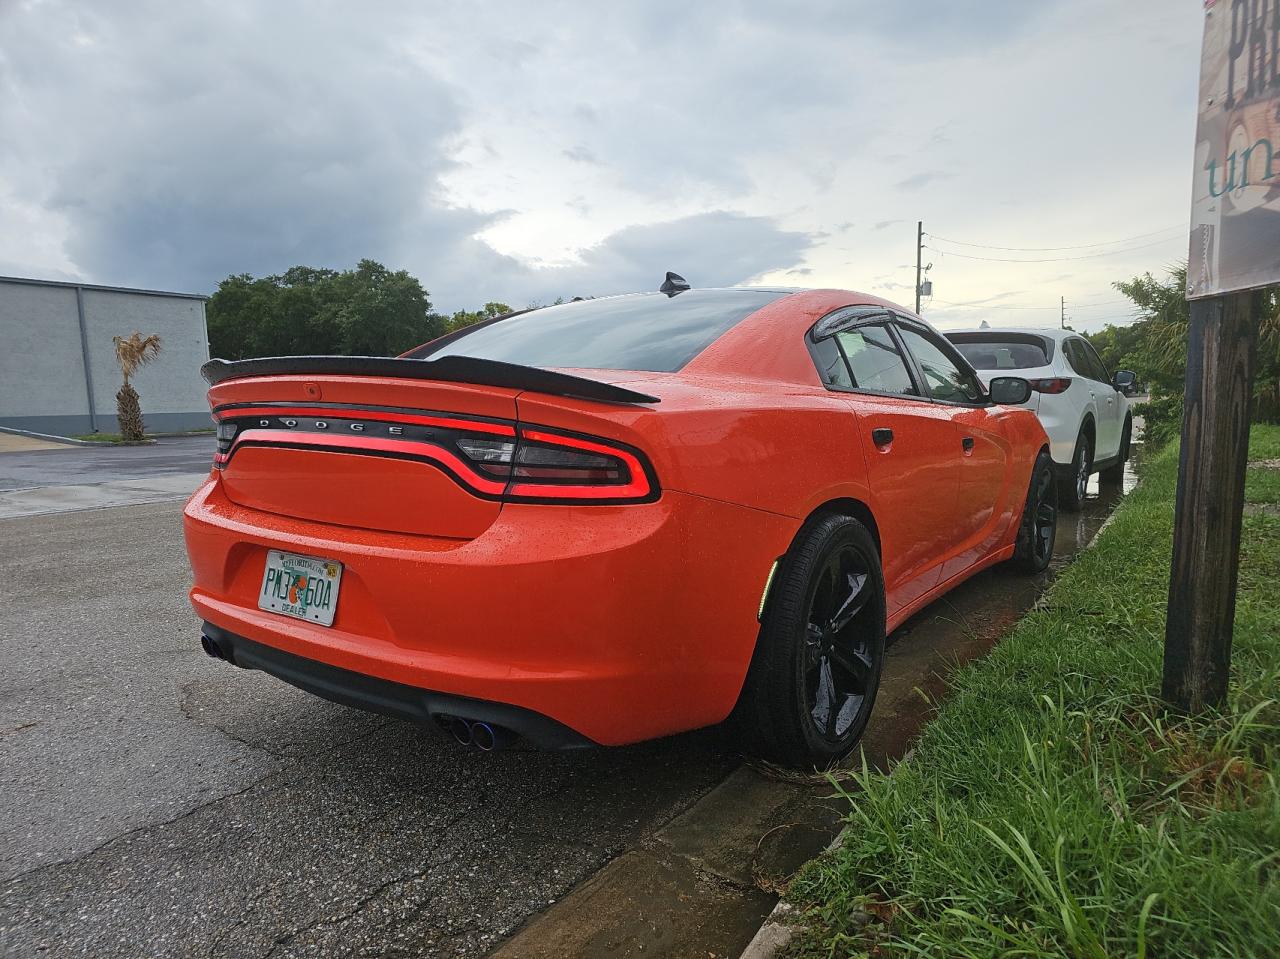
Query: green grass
x=99, y=437
x=1053, y=807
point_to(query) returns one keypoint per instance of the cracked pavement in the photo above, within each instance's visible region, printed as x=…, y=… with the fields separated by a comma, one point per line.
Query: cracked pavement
x=157, y=802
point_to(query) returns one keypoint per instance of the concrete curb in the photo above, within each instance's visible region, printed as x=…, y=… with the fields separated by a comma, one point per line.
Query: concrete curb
x=777, y=932
x=49, y=437
x=71, y=441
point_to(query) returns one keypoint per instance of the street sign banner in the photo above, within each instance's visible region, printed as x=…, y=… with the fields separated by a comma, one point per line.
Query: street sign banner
x=1235, y=209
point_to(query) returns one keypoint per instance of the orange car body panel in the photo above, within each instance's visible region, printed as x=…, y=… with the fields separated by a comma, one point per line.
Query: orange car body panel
x=622, y=622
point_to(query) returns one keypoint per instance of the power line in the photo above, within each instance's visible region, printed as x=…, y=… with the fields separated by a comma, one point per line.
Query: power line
x=1051, y=259
x=1052, y=249
x=1005, y=306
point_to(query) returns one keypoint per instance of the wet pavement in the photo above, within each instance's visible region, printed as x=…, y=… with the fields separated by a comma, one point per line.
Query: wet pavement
x=81, y=465
x=60, y=478
x=157, y=802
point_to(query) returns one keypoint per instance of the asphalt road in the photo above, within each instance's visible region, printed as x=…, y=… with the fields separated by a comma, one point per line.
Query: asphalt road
x=155, y=802
x=75, y=465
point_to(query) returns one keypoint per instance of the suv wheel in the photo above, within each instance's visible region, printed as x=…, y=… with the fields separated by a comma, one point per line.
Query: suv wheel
x=1076, y=481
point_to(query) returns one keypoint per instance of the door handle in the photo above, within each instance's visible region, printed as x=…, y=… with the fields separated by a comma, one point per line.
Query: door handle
x=882, y=436
x=967, y=443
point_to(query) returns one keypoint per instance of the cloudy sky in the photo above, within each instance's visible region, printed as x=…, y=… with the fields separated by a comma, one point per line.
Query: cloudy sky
x=521, y=151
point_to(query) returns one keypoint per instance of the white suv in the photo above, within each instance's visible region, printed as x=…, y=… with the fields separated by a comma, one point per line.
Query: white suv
x=1080, y=405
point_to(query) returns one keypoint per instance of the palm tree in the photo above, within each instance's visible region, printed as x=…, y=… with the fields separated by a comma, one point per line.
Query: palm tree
x=132, y=353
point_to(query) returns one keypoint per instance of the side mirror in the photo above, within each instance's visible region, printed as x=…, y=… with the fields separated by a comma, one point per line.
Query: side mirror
x=1125, y=380
x=1009, y=390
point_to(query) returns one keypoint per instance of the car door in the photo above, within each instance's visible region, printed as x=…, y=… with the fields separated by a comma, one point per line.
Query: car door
x=910, y=450
x=983, y=491
x=1106, y=429
x=1111, y=406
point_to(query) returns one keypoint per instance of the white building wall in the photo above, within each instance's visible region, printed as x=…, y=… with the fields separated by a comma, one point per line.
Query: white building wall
x=44, y=385
x=41, y=365
x=170, y=385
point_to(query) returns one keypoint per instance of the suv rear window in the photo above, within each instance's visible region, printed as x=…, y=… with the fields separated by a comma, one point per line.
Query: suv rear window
x=994, y=352
x=639, y=331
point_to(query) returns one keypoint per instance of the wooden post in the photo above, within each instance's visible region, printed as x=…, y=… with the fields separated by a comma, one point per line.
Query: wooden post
x=1221, y=353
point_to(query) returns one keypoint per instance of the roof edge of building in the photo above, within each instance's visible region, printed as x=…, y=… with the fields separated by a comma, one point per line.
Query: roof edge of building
x=73, y=285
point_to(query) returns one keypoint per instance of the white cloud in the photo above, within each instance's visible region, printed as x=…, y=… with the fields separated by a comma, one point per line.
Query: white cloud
x=516, y=151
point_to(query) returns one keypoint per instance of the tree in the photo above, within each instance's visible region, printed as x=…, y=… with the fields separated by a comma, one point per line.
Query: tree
x=1155, y=347
x=132, y=353
x=369, y=310
x=463, y=318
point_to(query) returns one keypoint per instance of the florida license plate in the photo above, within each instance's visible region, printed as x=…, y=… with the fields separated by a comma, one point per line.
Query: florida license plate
x=300, y=586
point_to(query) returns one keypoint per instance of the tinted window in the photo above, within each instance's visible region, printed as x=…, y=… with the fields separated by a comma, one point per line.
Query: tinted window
x=943, y=379
x=1082, y=360
x=641, y=331
x=831, y=364
x=995, y=354
x=1095, y=363
x=874, y=361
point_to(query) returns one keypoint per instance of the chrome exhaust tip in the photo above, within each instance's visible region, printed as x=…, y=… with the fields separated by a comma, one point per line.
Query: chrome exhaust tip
x=488, y=737
x=483, y=737
x=462, y=731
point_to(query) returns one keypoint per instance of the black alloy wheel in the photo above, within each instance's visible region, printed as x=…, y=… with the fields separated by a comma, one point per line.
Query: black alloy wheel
x=837, y=664
x=1039, y=529
x=813, y=678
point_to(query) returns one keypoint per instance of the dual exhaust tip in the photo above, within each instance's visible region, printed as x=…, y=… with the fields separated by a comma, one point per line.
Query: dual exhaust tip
x=485, y=737
x=212, y=647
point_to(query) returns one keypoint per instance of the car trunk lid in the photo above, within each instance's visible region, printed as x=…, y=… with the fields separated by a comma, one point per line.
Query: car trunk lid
x=376, y=443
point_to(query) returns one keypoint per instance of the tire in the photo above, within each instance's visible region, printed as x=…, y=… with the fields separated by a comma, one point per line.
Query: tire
x=1039, y=529
x=801, y=667
x=1072, y=488
x=1114, y=474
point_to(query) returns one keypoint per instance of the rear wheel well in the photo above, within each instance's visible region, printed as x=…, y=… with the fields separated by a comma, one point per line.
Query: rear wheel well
x=855, y=508
x=1090, y=429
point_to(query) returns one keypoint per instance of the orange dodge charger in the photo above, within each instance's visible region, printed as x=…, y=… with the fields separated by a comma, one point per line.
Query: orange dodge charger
x=614, y=519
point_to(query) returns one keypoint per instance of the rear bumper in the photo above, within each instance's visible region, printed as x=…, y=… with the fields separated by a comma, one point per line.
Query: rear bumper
x=621, y=623
x=389, y=698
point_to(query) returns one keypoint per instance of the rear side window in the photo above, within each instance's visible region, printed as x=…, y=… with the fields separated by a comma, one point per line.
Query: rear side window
x=1084, y=361
x=874, y=361
x=997, y=354
x=943, y=378
x=1095, y=361
x=641, y=331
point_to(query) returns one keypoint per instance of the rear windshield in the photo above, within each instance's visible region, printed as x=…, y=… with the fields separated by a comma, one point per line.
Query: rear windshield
x=1003, y=353
x=640, y=331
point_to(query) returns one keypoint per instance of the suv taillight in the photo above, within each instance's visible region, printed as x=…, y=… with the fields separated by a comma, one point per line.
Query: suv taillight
x=550, y=467
x=1054, y=384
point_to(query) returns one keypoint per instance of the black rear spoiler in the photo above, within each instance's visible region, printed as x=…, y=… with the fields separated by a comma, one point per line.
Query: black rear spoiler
x=447, y=369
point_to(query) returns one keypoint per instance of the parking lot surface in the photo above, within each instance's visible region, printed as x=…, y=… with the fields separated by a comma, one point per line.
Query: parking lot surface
x=55, y=478
x=157, y=802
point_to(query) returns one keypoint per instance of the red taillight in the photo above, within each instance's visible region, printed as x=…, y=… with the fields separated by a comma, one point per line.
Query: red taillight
x=1054, y=384
x=556, y=467
x=493, y=459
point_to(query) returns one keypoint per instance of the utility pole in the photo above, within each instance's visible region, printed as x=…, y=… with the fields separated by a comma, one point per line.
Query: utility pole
x=1221, y=358
x=1063, y=300
x=919, y=253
